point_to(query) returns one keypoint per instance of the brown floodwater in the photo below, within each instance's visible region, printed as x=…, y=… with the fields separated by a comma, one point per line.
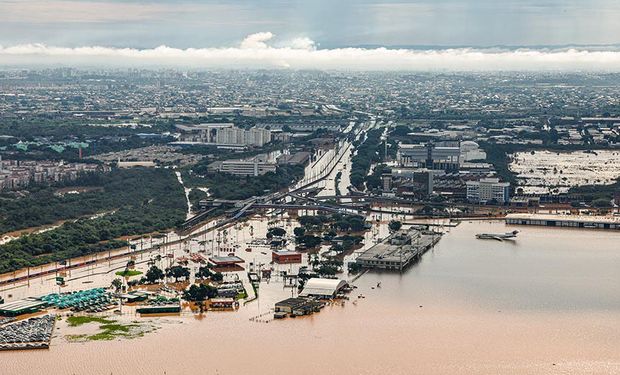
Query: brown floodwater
x=547, y=303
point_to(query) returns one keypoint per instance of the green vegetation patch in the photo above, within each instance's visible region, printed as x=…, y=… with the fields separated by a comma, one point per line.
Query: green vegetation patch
x=128, y=273
x=109, y=329
x=227, y=186
x=242, y=295
x=145, y=200
x=368, y=152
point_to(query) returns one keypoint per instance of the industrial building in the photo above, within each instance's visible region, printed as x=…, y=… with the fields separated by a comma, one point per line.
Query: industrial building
x=322, y=288
x=159, y=309
x=413, y=182
x=228, y=261
x=297, y=158
x=565, y=221
x=21, y=307
x=222, y=303
x=398, y=250
x=297, y=307
x=470, y=150
x=437, y=156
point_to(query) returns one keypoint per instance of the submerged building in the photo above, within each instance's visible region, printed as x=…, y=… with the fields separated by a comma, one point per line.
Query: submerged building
x=323, y=288
x=398, y=250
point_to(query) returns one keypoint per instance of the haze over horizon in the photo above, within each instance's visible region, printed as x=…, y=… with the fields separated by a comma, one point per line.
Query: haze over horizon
x=346, y=35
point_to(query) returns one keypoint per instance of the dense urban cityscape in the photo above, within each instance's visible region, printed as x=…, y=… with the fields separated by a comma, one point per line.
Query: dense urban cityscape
x=170, y=192
x=361, y=187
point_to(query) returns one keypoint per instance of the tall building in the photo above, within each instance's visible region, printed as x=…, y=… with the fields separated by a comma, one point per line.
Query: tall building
x=440, y=156
x=488, y=189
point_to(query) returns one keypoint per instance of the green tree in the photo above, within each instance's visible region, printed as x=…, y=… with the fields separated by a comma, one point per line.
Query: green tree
x=310, y=241
x=117, y=284
x=299, y=231
x=276, y=232
x=203, y=273
x=601, y=203
x=199, y=293
x=177, y=272
x=154, y=274
x=395, y=225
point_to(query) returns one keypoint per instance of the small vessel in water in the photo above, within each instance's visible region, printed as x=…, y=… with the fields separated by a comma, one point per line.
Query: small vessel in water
x=498, y=236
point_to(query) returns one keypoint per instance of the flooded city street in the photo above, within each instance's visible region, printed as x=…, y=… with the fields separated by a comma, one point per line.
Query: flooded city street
x=543, y=304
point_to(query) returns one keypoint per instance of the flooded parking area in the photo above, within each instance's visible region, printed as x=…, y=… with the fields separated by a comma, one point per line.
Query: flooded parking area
x=556, y=172
x=31, y=333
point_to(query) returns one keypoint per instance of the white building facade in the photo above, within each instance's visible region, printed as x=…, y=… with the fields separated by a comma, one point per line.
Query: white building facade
x=488, y=189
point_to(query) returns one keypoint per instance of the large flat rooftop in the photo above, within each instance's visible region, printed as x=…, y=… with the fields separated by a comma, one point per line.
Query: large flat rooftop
x=21, y=306
x=579, y=218
x=396, y=256
x=568, y=221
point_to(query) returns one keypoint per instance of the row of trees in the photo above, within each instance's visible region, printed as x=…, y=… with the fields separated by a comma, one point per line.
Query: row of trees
x=368, y=153
x=339, y=222
x=328, y=226
x=227, y=186
x=156, y=274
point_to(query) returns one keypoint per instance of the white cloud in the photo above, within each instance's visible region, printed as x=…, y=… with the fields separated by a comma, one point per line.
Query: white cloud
x=302, y=53
x=302, y=43
x=257, y=41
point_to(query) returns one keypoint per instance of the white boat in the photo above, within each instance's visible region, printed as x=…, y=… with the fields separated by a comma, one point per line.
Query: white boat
x=497, y=236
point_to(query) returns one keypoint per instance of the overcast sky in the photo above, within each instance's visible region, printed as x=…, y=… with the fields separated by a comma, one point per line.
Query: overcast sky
x=331, y=23
x=323, y=25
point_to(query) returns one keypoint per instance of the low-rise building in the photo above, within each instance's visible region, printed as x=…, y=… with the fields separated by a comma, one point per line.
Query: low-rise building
x=297, y=306
x=322, y=288
x=17, y=174
x=255, y=166
x=285, y=256
x=225, y=261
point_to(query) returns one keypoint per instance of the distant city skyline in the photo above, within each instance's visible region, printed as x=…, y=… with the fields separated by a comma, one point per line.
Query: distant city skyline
x=313, y=34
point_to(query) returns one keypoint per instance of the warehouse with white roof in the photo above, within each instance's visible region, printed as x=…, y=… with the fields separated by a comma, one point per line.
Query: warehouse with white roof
x=322, y=288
